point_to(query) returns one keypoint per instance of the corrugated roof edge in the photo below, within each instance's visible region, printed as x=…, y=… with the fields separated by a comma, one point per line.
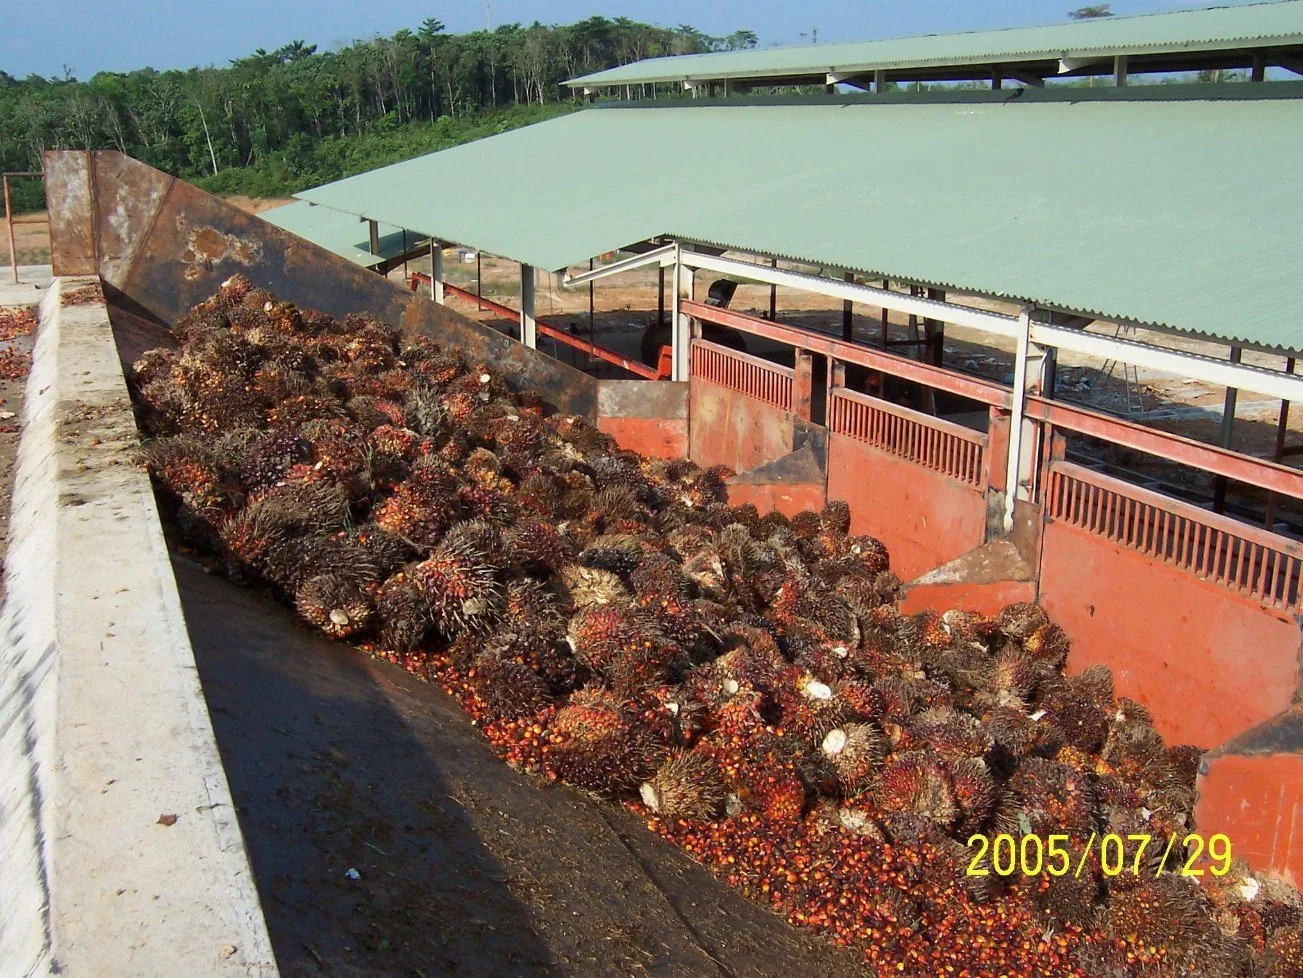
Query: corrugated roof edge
x=1055, y=94
x=1038, y=301
x=596, y=77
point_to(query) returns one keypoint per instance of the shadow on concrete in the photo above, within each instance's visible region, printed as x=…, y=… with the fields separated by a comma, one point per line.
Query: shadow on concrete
x=466, y=868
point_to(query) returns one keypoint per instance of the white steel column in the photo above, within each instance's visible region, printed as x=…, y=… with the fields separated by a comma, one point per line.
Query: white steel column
x=528, y=326
x=1028, y=375
x=436, y=271
x=680, y=325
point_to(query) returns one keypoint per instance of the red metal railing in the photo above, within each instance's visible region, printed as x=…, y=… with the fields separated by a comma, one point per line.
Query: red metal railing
x=761, y=379
x=930, y=442
x=939, y=378
x=1245, y=559
x=592, y=349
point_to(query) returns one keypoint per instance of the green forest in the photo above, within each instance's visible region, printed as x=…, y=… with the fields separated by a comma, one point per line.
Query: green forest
x=278, y=121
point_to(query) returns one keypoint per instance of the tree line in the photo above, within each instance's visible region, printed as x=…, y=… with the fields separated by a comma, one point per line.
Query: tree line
x=276, y=121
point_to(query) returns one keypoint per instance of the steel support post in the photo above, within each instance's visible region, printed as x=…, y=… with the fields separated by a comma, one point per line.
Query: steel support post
x=436, y=271
x=848, y=314
x=528, y=325
x=1282, y=426
x=1228, y=432
x=1028, y=371
x=680, y=324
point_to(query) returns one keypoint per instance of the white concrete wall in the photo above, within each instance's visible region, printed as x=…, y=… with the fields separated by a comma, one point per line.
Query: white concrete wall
x=103, y=724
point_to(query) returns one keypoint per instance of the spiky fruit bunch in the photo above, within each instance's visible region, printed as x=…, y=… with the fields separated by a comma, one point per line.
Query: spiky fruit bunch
x=686, y=786
x=537, y=547
x=416, y=513
x=809, y=708
x=856, y=751
x=1045, y=796
x=334, y=603
x=595, y=746
x=509, y=690
x=404, y=611
x=953, y=734
x=271, y=456
x=917, y=783
x=600, y=634
x=462, y=588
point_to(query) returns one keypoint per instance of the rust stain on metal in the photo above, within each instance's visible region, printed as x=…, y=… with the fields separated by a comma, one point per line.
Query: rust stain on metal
x=209, y=246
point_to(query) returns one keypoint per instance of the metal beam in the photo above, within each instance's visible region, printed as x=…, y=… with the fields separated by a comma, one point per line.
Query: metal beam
x=1026, y=77
x=680, y=324
x=1287, y=61
x=1210, y=370
x=663, y=256
x=1120, y=71
x=990, y=322
x=528, y=324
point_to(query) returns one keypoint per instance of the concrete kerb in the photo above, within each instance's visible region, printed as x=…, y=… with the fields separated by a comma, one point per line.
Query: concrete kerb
x=104, y=731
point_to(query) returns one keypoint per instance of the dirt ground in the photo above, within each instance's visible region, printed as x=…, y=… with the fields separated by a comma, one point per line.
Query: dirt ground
x=387, y=840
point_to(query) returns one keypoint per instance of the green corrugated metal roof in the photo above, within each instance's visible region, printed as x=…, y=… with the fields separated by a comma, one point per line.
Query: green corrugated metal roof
x=1179, y=212
x=346, y=235
x=1247, y=25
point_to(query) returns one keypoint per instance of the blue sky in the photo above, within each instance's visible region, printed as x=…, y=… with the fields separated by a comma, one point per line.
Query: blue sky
x=46, y=35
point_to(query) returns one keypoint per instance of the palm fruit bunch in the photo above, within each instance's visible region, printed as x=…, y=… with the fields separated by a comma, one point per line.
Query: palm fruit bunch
x=745, y=680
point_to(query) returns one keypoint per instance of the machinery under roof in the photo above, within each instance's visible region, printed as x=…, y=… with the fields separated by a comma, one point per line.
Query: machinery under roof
x=1169, y=206
x=1224, y=36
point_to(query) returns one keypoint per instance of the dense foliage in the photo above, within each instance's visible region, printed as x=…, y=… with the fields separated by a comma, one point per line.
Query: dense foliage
x=279, y=120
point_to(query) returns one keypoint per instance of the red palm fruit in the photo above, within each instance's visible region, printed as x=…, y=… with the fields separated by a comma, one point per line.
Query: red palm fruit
x=634, y=670
x=537, y=546
x=953, y=734
x=384, y=550
x=1157, y=912
x=482, y=537
x=1044, y=796
x=462, y=589
x=1010, y=680
x=1080, y=719
x=686, y=786
x=772, y=788
x=335, y=603
x=539, y=646
x=302, y=408
x=534, y=602
x=480, y=503
x=601, y=633
x=594, y=747
x=826, y=661
x=856, y=750
x=270, y=457
x=864, y=594
x=672, y=714
x=508, y=689
x=292, y=561
x=1096, y=684
x=416, y=513
x=975, y=792
x=917, y=783
x=1020, y=619
x=400, y=443
x=869, y=553
x=592, y=587
x=1048, y=644
x=540, y=493
x=404, y=612
x=835, y=517
x=809, y=708
x=806, y=525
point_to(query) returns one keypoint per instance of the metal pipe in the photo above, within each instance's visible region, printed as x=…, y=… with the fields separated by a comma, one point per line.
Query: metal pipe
x=479, y=279
x=660, y=296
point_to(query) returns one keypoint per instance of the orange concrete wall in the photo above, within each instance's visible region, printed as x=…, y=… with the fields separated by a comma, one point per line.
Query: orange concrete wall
x=926, y=519
x=1256, y=800
x=733, y=429
x=985, y=599
x=657, y=437
x=787, y=498
x=1208, y=664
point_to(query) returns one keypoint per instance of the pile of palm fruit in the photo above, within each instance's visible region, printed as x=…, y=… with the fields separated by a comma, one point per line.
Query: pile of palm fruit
x=745, y=682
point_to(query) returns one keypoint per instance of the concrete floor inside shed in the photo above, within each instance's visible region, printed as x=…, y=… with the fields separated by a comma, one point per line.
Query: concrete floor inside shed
x=337, y=762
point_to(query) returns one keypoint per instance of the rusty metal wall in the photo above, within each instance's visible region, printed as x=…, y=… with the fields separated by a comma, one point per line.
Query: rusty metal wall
x=164, y=245
x=730, y=428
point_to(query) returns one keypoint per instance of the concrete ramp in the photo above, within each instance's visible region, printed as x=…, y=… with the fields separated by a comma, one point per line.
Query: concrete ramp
x=120, y=852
